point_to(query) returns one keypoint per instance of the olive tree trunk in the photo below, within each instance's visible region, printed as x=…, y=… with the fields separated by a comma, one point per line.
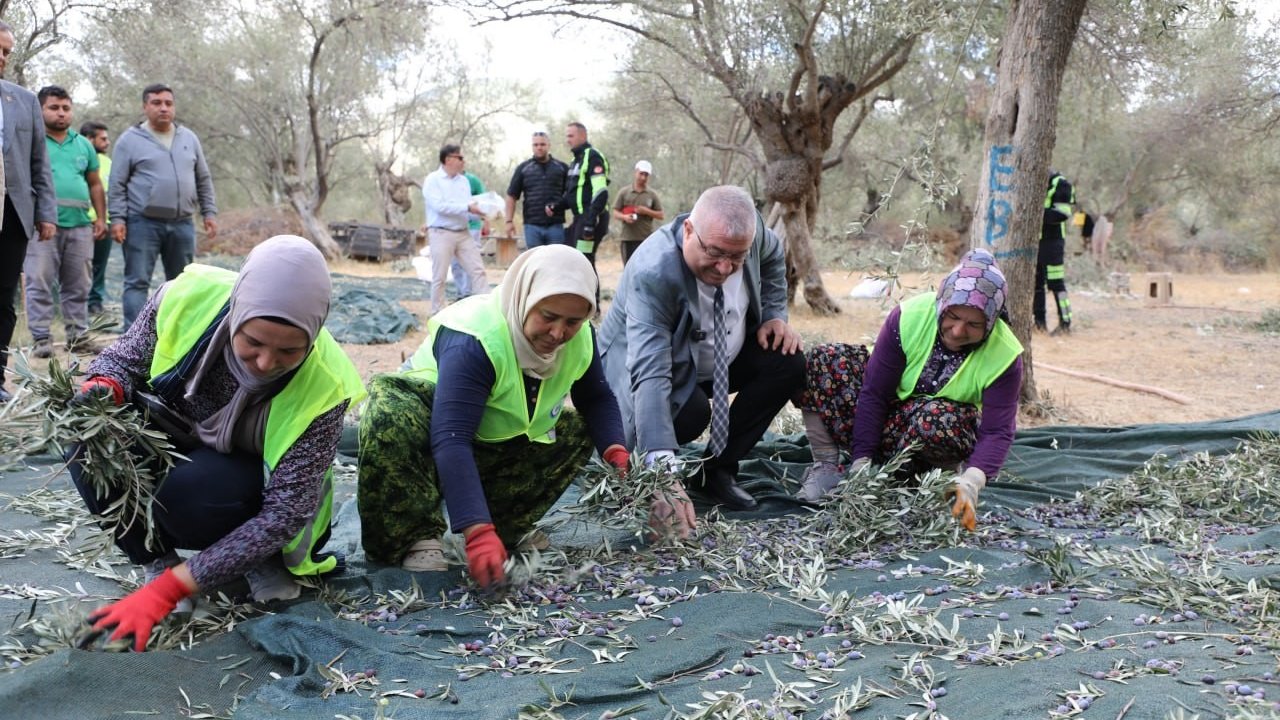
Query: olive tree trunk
x=1021, y=130
x=314, y=228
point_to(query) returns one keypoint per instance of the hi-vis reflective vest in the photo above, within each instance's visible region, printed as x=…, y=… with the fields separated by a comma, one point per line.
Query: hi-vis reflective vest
x=918, y=326
x=506, y=411
x=325, y=379
x=584, y=196
x=1059, y=198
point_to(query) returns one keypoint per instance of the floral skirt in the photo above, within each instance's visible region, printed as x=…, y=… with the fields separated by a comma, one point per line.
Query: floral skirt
x=944, y=430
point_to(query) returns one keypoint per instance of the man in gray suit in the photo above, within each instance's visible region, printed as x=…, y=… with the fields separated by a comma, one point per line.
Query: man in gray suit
x=658, y=346
x=29, y=204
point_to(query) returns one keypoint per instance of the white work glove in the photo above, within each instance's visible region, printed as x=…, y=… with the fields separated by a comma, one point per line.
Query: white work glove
x=964, y=489
x=859, y=463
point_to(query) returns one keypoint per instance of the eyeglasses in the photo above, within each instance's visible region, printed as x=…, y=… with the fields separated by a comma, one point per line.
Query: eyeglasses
x=455, y=156
x=716, y=253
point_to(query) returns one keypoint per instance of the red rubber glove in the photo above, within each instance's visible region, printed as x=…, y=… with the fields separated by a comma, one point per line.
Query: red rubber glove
x=99, y=386
x=617, y=456
x=485, y=555
x=138, y=612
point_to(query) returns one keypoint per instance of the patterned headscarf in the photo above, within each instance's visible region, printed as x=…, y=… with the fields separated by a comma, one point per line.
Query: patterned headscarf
x=975, y=282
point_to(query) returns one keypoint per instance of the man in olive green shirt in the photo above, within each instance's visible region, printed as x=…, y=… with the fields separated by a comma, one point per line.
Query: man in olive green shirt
x=637, y=207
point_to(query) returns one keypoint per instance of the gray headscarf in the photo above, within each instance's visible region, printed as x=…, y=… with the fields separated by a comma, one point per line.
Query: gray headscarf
x=284, y=277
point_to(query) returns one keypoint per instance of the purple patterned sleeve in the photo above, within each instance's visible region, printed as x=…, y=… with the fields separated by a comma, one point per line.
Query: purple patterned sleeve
x=128, y=359
x=999, y=421
x=879, y=387
x=288, y=502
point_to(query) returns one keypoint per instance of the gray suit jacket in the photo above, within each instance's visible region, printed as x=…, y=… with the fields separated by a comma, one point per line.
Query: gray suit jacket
x=646, y=341
x=28, y=181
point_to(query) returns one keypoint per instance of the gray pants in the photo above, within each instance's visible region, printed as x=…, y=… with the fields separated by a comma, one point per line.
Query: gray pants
x=445, y=245
x=63, y=262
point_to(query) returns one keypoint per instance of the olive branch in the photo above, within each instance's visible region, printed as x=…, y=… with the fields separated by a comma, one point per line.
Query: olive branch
x=116, y=450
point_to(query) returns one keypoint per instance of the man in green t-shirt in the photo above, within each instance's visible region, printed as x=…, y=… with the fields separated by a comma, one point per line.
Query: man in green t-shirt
x=65, y=258
x=99, y=136
x=636, y=208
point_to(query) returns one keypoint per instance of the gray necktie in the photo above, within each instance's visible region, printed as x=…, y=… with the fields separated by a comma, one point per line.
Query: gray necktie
x=719, y=380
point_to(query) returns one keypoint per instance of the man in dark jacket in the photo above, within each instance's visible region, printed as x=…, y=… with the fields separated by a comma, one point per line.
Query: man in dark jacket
x=1051, y=260
x=586, y=192
x=540, y=179
x=30, y=209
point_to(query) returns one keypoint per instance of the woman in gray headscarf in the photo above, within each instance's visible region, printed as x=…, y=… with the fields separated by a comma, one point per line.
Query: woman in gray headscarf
x=253, y=390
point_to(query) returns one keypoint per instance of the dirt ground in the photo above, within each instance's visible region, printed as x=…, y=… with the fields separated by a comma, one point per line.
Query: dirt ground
x=1199, y=347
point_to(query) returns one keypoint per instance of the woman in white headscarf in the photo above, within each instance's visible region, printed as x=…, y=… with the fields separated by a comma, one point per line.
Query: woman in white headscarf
x=478, y=419
x=252, y=389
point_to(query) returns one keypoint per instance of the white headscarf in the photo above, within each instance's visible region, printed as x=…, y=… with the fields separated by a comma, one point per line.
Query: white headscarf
x=286, y=278
x=535, y=275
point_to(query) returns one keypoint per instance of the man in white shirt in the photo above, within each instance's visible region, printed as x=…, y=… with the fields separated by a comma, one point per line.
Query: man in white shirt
x=447, y=194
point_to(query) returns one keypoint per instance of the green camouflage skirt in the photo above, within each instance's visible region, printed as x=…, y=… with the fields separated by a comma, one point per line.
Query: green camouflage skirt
x=399, y=492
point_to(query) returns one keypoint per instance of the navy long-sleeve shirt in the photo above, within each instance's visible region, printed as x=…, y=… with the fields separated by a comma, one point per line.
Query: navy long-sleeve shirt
x=466, y=380
x=880, y=389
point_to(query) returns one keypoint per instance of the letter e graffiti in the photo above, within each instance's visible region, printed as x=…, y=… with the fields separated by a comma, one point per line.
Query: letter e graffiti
x=1001, y=173
x=1000, y=181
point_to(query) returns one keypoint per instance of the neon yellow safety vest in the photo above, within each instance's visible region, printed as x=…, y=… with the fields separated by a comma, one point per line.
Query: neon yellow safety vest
x=325, y=379
x=104, y=174
x=1064, y=208
x=918, y=326
x=506, y=412
x=599, y=181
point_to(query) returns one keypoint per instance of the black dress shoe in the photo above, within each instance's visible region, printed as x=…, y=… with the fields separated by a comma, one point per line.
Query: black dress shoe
x=720, y=486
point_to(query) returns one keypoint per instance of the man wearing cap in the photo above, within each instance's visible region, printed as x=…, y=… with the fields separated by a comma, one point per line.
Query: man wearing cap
x=540, y=179
x=636, y=208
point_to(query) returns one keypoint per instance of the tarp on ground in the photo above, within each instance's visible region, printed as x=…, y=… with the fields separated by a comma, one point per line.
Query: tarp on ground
x=366, y=310
x=366, y=317
x=976, y=630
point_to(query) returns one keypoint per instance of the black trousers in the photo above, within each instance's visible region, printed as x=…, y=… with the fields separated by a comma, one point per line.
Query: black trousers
x=1049, y=261
x=13, y=251
x=198, y=503
x=764, y=381
x=577, y=229
x=629, y=247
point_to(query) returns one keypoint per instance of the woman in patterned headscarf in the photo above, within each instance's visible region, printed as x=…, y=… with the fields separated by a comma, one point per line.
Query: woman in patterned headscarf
x=945, y=374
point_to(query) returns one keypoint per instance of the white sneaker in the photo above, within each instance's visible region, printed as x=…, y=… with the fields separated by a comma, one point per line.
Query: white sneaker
x=818, y=481
x=425, y=556
x=156, y=568
x=270, y=581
